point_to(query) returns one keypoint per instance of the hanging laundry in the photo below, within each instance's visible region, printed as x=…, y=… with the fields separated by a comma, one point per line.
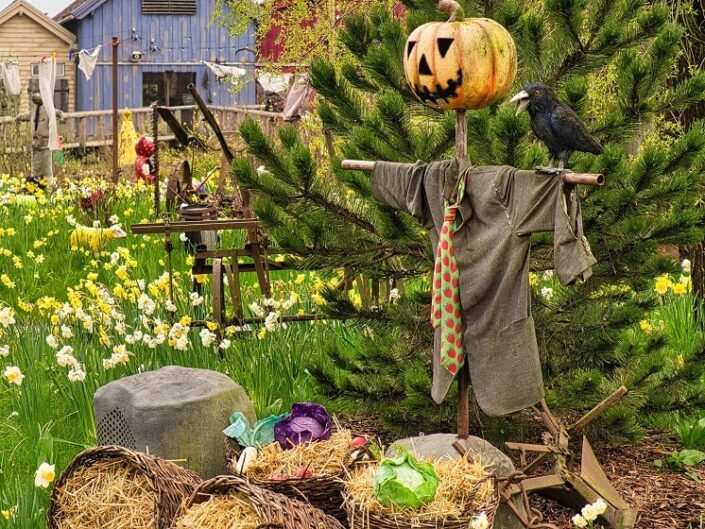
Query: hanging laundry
x=298, y=100
x=47, y=83
x=222, y=71
x=274, y=83
x=87, y=61
x=128, y=139
x=11, y=79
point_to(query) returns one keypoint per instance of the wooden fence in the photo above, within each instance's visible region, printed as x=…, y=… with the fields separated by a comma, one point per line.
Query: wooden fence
x=90, y=130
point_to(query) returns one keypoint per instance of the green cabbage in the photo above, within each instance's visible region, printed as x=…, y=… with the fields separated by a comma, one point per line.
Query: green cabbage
x=404, y=482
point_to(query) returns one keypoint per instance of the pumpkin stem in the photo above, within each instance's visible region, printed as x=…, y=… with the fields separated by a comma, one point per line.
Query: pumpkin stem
x=454, y=8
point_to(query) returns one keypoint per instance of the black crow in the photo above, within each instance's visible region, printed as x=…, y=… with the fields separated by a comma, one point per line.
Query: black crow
x=555, y=124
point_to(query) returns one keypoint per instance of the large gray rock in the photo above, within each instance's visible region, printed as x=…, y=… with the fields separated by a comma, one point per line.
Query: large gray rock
x=440, y=445
x=176, y=413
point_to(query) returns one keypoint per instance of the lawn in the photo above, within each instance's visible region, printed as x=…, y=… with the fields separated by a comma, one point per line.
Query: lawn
x=83, y=319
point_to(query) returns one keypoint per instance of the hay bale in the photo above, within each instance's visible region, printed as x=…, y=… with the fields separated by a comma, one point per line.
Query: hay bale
x=466, y=490
x=232, y=502
x=117, y=488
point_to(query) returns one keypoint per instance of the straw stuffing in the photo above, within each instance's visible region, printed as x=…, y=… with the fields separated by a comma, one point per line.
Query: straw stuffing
x=106, y=494
x=322, y=458
x=230, y=511
x=458, y=493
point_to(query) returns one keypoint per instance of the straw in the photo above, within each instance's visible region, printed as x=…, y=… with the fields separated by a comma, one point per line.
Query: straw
x=230, y=511
x=464, y=487
x=322, y=458
x=109, y=494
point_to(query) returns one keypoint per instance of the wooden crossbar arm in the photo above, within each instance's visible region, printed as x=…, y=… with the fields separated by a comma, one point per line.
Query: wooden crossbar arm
x=589, y=179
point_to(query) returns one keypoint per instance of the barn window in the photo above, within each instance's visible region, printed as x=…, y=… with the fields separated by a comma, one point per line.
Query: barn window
x=60, y=69
x=169, y=7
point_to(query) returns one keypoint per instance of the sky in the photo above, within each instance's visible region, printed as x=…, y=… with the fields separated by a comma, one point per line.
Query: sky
x=52, y=7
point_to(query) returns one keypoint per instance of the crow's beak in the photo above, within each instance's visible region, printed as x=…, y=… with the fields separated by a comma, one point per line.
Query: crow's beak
x=522, y=100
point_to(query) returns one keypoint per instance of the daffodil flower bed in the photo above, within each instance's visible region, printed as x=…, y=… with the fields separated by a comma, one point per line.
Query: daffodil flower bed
x=72, y=320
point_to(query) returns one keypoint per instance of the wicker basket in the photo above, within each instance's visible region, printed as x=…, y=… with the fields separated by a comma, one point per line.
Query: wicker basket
x=171, y=483
x=274, y=510
x=360, y=519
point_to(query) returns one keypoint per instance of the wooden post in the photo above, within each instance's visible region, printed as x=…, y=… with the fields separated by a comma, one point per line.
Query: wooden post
x=461, y=155
x=155, y=135
x=116, y=130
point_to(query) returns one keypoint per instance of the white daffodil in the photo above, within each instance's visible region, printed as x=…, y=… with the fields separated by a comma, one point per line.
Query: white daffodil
x=547, y=292
x=77, y=374
x=480, y=522
x=271, y=322
x=13, y=375
x=45, y=475
x=394, y=296
x=600, y=506
x=589, y=513
x=66, y=332
x=7, y=316
x=207, y=337
x=579, y=521
x=4, y=351
x=195, y=298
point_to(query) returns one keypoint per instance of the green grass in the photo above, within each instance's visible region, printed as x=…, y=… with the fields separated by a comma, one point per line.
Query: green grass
x=49, y=418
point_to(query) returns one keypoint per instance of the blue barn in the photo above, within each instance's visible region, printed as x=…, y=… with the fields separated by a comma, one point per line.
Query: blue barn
x=163, y=44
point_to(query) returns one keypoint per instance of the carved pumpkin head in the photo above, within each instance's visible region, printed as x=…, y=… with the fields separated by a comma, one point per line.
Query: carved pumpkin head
x=462, y=64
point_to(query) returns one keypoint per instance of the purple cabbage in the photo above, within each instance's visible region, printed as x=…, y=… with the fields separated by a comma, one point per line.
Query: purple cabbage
x=307, y=422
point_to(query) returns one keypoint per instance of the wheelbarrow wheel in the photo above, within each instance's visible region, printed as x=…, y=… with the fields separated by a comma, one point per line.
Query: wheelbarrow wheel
x=180, y=184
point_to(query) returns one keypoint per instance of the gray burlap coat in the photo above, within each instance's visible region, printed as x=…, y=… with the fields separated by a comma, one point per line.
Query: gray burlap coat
x=503, y=206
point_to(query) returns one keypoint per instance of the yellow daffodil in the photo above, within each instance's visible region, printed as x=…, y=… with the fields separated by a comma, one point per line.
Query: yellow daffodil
x=680, y=361
x=662, y=284
x=185, y=320
x=679, y=289
x=645, y=326
x=7, y=281
x=212, y=326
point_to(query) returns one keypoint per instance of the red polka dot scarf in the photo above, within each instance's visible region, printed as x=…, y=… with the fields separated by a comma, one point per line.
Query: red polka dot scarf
x=445, y=306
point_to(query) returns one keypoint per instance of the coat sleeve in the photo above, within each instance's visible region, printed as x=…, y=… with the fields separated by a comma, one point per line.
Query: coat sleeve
x=539, y=202
x=403, y=187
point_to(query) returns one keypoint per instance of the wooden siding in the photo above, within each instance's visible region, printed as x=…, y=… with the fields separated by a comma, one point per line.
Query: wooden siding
x=27, y=41
x=169, y=43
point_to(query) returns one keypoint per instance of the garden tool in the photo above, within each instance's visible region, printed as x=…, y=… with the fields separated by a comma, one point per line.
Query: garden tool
x=572, y=482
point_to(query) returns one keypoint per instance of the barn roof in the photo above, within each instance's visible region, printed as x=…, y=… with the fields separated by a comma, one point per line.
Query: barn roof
x=78, y=9
x=24, y=8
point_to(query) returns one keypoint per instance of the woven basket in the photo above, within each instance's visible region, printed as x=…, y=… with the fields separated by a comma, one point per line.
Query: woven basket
x=170, y=483
x=324, y=492
x=274, y=510
x=360, y=519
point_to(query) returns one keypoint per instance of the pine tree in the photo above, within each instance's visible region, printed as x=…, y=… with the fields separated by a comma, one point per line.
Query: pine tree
x=614, y=63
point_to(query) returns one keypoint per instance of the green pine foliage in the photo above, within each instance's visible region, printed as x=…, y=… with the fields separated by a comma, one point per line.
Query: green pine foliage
x=614, y=62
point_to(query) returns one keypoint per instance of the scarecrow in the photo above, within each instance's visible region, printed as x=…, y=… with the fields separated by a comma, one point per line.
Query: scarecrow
x=42, y=169
x=480, y=220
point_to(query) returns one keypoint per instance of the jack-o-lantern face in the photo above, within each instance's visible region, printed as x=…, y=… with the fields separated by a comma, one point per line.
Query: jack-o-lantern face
x=460, y=65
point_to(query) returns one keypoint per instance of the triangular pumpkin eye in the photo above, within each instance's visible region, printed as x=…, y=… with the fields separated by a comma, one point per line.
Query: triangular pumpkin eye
x=409, y=46
x=424, y=68
x=444, y=45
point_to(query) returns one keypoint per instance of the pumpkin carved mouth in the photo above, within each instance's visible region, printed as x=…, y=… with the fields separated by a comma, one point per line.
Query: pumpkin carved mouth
x=439, y=94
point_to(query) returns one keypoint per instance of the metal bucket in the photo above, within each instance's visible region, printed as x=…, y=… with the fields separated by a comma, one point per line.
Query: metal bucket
x=207, y=240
